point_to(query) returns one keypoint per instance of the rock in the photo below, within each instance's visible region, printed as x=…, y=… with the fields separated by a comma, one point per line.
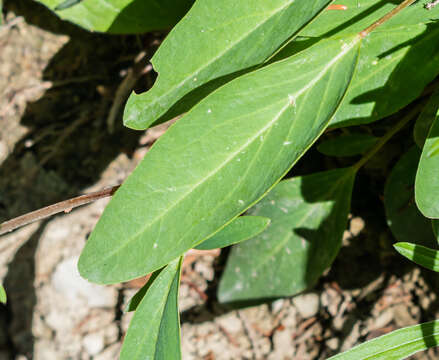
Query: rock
x=277, y=306
x=94, y=343
x=307, y=304
x=282, y=344
x=67, y=281
x=333, y=343
x=356, y=225
x=110, y=353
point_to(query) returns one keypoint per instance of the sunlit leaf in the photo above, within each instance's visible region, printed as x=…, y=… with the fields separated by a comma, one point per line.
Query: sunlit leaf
x=421, y=255
x=243, y=139
x=120, y=16
x=427, y=184
x=308, y=217
x=240, y=229
x=154, y=331
x=67, y=4
x=389, y=74
x=398, y=344
x=403, y=217
x=224, y=38
x=347, y=145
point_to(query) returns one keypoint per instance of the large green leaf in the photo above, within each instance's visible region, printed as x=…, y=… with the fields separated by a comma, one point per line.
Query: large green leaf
x=347, y=145
x=154, y=331
x=427, y=184
x=239, y=230
x=403, y=217
x=121, y=16
x=224, y=38
x=419, y=254
x=425, y=119
x=217, y=161
x=389, y=75
x=308, y=217
x=399, y=344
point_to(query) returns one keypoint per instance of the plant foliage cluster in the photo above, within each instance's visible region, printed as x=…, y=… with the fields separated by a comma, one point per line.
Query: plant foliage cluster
x=259, y=82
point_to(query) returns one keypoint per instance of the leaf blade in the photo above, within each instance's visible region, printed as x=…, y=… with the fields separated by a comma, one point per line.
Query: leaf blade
x=426, y=185
x=425, y=120
x=347, y=145
x=120, y=16
x=3, y=296
x=309, y=215
x=154, y=331
x=404, y=219
x=224, y=40
x=240, y=229
x=419, y=254
x=399, y=344
x=240, y=150
x=384, y=81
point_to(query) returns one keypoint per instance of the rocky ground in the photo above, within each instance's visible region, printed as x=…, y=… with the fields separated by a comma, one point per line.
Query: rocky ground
x=55, y=142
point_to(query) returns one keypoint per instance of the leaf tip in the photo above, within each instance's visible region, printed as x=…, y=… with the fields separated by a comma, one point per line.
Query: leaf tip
x=132, y=114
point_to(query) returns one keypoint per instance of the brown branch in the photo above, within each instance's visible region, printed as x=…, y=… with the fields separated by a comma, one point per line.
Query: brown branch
x=63, y=206
x=386, y=17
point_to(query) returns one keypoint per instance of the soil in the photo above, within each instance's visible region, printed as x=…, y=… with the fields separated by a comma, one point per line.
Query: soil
x=57, y=86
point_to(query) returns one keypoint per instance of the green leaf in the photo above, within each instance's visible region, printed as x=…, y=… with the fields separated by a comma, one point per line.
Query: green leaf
x=347, y=145
x=425, y=119
x=427, y=184
x=3, y=297
x=224, y=38
x=398, y=344
x=419, y=254
x=243, y=138
x=67, y=4
x=396, y=61
x=404, y=219
x=120, y=16
x=154, y=331
x=240, y=229
x=138, y=296
x=308, y=217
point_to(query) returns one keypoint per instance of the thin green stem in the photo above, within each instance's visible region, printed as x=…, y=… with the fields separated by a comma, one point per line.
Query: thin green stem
x=395, y=129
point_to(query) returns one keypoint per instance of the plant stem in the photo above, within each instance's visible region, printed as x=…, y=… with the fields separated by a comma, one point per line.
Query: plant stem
x=386, y=17
x=50, y=210
x=398, y=126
